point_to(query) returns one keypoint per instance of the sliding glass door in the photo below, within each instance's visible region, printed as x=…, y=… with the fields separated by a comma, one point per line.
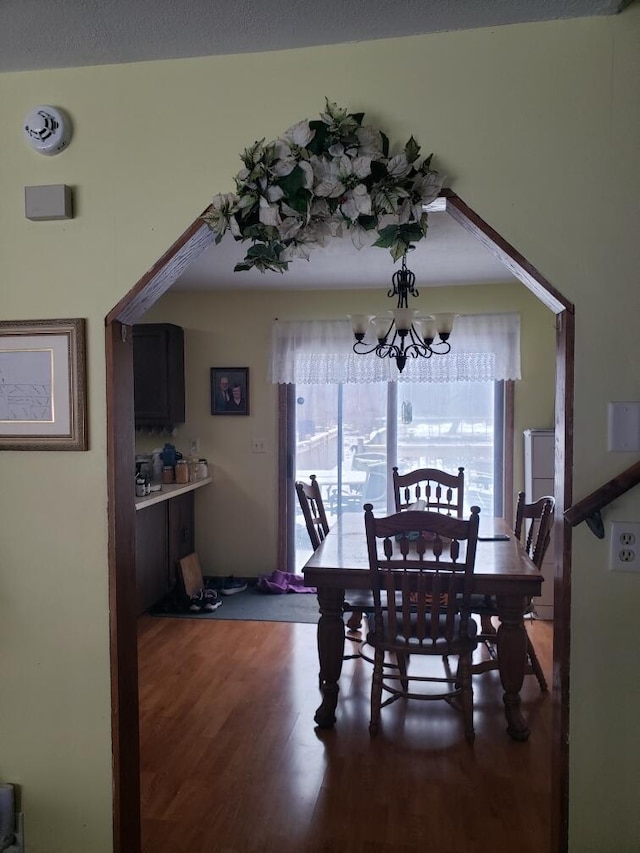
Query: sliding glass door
x=351, y=435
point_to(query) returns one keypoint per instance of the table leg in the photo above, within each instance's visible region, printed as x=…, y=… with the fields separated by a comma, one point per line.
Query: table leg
x=330, y=652
x=512, y=658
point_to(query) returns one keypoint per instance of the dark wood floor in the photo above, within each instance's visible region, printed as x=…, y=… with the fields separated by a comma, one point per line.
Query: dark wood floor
x=231, y=761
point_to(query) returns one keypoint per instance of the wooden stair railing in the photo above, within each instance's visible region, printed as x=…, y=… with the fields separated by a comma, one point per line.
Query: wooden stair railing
x=588, y=509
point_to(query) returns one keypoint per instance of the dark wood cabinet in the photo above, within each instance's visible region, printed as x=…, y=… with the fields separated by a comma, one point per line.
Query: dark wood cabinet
x=152, y=576
x=158, y=374
x=181, y=514
x=164, y=534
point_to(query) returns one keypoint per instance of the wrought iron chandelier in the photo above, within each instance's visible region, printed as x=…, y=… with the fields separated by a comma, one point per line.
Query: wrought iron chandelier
x=400, y=334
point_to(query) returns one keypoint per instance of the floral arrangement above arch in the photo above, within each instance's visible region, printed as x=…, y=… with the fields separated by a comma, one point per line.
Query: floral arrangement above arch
x=320, y=178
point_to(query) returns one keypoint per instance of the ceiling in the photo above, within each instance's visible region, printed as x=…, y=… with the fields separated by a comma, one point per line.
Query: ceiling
x=449, y=255
x=38, y=35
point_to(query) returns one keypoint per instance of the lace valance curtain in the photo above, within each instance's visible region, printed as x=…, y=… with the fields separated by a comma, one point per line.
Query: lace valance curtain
x=484, y=348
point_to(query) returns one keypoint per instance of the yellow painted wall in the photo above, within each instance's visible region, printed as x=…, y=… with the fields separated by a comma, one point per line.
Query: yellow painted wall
x=213, y=338
x=537, y=128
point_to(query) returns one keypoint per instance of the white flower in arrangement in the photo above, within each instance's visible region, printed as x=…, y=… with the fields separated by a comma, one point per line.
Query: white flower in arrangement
x=369, y=142
x=300, y=135
x=356, y=202
x=319, y=178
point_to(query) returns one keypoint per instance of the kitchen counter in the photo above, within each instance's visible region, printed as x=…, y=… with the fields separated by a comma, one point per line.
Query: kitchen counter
x=171, y=491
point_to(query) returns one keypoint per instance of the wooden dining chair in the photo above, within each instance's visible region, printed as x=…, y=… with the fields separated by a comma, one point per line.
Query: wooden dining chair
x=421, y=592
x=437, y=491
x=533, y=525
x=315, y=517
x=313, y=512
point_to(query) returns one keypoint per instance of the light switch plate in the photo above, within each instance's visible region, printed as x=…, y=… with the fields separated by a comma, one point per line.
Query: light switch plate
x=624, y=426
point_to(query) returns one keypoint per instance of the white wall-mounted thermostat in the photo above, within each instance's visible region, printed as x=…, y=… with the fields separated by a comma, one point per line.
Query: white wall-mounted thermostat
x=47, y=130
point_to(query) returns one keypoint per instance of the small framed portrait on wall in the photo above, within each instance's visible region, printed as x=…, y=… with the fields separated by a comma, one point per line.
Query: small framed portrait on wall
x=229, y=390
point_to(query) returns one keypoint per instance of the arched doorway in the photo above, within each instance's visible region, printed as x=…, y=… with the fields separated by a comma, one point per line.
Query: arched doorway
x=120, y=452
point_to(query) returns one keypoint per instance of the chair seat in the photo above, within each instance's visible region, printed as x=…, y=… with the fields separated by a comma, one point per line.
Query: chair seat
x=355, y=599
x=362, y=600
x=439, y=646
x=484, y=605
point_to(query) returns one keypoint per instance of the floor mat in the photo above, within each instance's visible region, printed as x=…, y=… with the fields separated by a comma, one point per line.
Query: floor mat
x=253, y=606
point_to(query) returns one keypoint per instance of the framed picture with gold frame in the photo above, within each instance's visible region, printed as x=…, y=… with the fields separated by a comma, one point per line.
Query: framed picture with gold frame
x=43, y=386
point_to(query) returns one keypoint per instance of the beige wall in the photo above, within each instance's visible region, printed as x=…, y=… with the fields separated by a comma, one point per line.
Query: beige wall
x=215, y=336
x=537, y=128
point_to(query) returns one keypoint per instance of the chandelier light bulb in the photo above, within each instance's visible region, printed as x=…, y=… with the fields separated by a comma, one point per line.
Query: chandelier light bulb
x=403, y=319
x=382, y=326
x=428, y=328
x=360, y=323
x=444, y=324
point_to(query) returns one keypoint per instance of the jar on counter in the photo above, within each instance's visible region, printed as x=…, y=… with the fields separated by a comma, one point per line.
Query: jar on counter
x=193, y=469
x=167, y=474
x=182, y=471
x=202, y=469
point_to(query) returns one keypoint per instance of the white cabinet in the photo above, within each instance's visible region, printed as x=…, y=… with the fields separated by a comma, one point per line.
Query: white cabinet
x=538, y=482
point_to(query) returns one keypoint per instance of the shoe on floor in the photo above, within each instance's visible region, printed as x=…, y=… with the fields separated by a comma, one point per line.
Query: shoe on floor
x=211, y=601
x=196, y=601
x=231, y=585
x=205, y=601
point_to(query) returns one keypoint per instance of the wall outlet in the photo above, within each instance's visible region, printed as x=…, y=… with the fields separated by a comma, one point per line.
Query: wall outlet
x=624, y=555
x=259, y=445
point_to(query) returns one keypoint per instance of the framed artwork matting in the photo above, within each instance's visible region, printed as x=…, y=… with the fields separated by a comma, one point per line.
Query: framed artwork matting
x=43, y=386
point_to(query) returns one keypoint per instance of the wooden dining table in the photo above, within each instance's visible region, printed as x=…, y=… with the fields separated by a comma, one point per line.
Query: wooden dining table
x=502, y=569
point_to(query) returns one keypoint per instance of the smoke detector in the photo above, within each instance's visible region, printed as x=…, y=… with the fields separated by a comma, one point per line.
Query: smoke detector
x=47, y=130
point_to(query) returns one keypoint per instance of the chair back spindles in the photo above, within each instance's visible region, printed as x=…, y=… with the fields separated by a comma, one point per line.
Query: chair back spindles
x=421, y=567
x=439, y=491
x=312, y=506
x=534, y=522
x=532, y=528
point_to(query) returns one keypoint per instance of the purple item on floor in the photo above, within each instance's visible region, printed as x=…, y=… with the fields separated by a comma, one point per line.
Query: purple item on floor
x=279, y=582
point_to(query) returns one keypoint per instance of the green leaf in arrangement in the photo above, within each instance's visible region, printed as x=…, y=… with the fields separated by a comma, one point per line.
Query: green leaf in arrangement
x=412, y=150
x=378, y=171
x=319, y=143
x=256, y=231
x=300, y=201
x=369, y=223
x=264, y=257
x=410, y=232
x=293, y=182
x=385, y=144
x=398, y=249
x=388, y=236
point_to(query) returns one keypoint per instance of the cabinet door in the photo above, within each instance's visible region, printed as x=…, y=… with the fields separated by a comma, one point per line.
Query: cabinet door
x=152, y=582
x=158, y=374
x=181, y=532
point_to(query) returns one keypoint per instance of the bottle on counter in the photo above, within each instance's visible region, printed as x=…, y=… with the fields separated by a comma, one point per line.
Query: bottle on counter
x=141, y=485
x=169, y=455
x=156, y=466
